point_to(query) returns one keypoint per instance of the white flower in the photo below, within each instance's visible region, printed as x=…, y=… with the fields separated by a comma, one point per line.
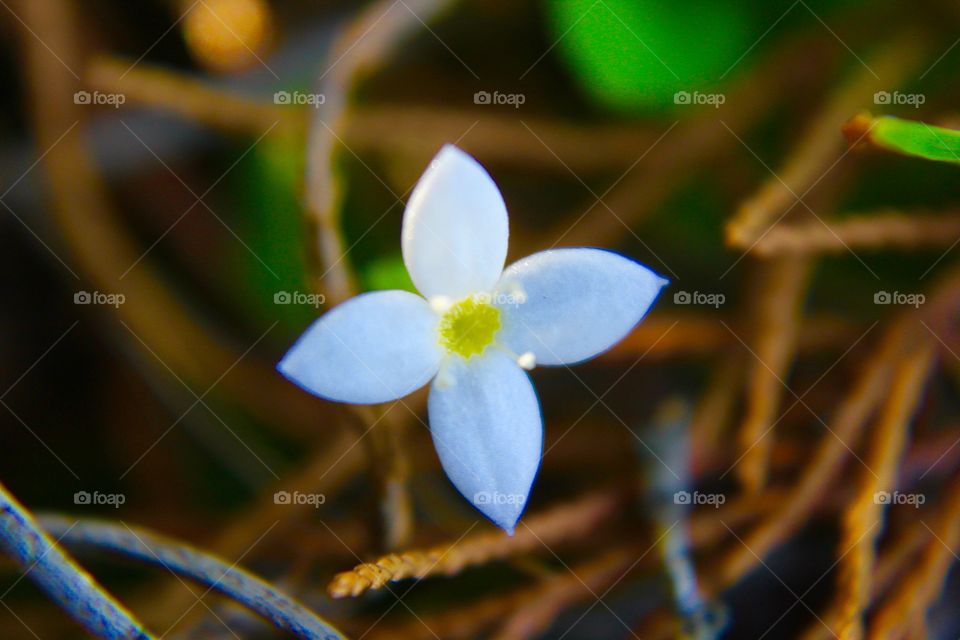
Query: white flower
x=474, y=331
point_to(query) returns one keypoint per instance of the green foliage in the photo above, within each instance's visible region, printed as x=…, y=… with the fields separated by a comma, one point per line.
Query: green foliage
x=269, y=182
x=386, y=272
x=916, y=139
x=630, y=55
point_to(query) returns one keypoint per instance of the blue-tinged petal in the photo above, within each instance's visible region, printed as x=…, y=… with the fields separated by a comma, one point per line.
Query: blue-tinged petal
x=486, y=425
x=568, y=305
x=376, y=347
x=454, y=236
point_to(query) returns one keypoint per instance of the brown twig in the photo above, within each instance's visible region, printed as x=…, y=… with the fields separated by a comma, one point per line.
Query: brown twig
x=891, y=563
x=821, y=146
x=168, y=334
x=668, y=335
x=820, y=472
x=706, y=530
x=781, y=292
x=845, y=429
x=361, y=47
x=920, y=587
x=462, y=622
x=561, y=524
x=885, y=229
x=715, y=408
x=330, y=467
x=690, y=145
x=863, y=520
x=581, y=582
x=414, y=133
x=191, y=98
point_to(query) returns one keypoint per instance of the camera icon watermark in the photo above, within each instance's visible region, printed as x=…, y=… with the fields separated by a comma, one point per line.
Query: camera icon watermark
x=86, y=498
x=912, y=499
x=495, y=497
x=496, y=98
x=897, y=98
x=315, y=300
x=715, y=300
x=299, y=98
x=698, y=498
x=697, y=98
x=298, y=498
x=98, y=297
x=896, y=297
x=98, y=98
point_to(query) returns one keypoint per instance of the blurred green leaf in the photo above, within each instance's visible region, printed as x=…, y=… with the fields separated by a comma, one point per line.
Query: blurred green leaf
x=387, y=272
x=635, y=54
x=268, y=182
x=909, y=137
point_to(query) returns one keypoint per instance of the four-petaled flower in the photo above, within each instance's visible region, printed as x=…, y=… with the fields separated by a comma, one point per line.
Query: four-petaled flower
x=476, y=329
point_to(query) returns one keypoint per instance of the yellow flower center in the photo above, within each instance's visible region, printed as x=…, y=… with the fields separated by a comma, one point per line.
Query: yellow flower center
x=468, y=327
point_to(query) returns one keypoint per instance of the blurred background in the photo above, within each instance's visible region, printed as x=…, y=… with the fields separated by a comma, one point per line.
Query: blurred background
x=186, y=185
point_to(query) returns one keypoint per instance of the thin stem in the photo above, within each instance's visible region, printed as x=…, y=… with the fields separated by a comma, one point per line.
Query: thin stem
x=230, y=580
x=821, y=145
x=73, y=589
x=783, y=284
x=885, y=229
x=864, y=521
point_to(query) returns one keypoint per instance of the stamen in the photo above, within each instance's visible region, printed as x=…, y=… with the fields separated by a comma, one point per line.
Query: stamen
x=468, y=326
x=440, y=304
x=527, y=360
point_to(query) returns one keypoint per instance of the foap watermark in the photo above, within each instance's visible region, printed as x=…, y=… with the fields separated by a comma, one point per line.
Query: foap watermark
x=95, y=498
x=495, y=497
x=896, y=297
x=912, y=499
x=99, y=297
x=299, y=98
x=512, y=99
x=696, y=497
x=297, y=498
x=99, y=98
x=503, y=298
x=299, y=297
x=714, y=300
x=698, y=98
x=897, y=98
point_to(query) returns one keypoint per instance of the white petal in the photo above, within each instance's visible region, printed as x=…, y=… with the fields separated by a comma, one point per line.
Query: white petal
x=454, y=235
x=573, y=304
x=486, y=425
x=373, y=348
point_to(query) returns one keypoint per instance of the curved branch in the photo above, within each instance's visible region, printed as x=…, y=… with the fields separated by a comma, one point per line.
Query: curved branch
x=230, y=580
x=73, y=589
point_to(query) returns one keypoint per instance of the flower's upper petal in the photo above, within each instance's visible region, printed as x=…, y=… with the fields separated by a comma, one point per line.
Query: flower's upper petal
x=376, y=347
x=573, y=304
x=454, y=235
x=486, y=425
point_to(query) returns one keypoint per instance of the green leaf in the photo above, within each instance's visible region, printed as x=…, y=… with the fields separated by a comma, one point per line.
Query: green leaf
x=908, y=137
x=386, y=272
x=636, y=54
x=271, y=222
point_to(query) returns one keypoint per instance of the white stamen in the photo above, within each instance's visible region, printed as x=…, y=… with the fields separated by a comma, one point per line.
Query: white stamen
x=527, y=360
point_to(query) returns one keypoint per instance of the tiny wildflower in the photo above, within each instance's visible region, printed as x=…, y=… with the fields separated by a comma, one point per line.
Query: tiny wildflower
x=474, y=332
